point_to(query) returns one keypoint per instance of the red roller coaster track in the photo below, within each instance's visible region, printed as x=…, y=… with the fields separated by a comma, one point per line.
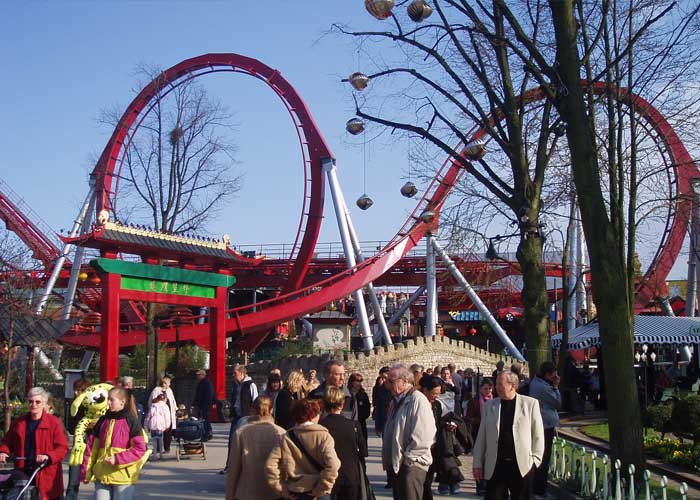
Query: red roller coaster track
x=250, y=321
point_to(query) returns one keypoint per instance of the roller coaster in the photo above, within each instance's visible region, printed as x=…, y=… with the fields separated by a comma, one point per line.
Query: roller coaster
x=303, y=278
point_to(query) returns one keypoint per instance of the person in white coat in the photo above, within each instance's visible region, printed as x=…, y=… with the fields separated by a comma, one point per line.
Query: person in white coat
x=510, y=443
x=163, y=387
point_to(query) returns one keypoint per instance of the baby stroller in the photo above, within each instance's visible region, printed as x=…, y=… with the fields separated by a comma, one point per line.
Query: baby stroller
x=16, y=485
x=190, y=436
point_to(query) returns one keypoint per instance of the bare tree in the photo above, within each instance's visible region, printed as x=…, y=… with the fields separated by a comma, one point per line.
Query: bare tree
x=471, y=60
x=442, y=77
x=18, y=282
x=179, y=167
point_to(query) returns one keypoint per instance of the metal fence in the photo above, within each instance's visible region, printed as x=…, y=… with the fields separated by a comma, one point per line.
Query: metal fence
x=591, y=474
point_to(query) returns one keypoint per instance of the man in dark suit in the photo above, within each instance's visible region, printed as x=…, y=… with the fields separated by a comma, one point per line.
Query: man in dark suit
x=350, y=447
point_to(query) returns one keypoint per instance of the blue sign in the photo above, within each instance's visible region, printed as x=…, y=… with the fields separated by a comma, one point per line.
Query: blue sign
x=465, y=315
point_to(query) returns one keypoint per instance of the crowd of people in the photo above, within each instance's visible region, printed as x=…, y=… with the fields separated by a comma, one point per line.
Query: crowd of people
x=310, y=437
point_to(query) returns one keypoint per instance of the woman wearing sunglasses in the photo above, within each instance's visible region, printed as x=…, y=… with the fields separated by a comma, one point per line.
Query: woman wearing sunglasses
x=35, y=439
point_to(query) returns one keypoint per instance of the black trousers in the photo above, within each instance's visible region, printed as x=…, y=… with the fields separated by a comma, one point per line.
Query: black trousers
x=344, y=489
x=507, y=479
x=428, y=483
x=167, y=439
x=540, y=482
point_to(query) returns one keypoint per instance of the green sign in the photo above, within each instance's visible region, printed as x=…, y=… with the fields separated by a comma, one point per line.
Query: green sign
x=168, y=287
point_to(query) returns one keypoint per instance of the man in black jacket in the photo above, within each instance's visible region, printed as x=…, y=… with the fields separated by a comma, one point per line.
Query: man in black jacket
x=350, y=447
x=243, y=393
x=203, y=396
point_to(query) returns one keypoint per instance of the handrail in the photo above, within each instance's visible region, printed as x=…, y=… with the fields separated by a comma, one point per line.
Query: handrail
x=591, y=474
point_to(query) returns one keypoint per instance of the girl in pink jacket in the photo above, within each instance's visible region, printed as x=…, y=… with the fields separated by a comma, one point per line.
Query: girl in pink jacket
x=157, y=421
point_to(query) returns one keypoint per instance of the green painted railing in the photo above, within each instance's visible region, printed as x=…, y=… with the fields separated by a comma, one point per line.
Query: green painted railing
x=589, y=474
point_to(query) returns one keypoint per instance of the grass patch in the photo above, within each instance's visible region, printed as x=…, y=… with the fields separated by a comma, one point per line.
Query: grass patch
x=598, y=431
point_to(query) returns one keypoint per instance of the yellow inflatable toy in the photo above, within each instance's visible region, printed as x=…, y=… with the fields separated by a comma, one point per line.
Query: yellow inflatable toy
x=94, y=400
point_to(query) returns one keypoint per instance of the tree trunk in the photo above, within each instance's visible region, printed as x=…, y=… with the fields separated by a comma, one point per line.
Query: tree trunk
x=608, y=276
x=535, y=302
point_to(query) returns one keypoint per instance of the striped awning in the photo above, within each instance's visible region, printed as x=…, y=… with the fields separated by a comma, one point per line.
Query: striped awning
x=647, y=330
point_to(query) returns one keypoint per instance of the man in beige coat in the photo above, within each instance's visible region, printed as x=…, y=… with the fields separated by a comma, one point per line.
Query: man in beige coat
x=250, y=448
x=510, y=442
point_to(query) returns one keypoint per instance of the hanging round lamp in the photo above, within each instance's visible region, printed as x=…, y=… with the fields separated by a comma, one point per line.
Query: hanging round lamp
x=355, y=126
x=475, y=150
x=419, y=10
x=358, y=80
x=364, y=202
x=427, y=216
x=380, y=9
x=409, y=190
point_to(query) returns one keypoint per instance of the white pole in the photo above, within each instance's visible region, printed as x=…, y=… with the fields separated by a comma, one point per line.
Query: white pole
x=404, y=307
x=581, y=267
x=573, y=275
x=360, y=258
x=360, y=309
x=66, y=250
x=691, y=297
x=431, y=312
x=78, y=258
x=477, y=301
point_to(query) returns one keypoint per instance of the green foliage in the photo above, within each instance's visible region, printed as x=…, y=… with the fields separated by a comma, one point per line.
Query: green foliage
x=674, y=452
x=302, y=346
x=658, y=417
x=191, y=359
x=685, y=418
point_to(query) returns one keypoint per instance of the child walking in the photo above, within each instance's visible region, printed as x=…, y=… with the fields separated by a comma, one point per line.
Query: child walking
x=116, y=450
x=158, y=421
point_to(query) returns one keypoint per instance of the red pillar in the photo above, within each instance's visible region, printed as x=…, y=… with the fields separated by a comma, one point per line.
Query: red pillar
x=109, y=336
x=217, y=343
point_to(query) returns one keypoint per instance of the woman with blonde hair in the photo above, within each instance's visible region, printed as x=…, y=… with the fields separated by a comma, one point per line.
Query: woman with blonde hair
x=292, y=391
x=251, y=446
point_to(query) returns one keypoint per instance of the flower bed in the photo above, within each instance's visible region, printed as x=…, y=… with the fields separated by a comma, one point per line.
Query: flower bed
x=674, y=452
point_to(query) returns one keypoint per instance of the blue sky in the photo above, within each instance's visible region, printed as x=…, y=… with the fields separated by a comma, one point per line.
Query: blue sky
x=65, y=61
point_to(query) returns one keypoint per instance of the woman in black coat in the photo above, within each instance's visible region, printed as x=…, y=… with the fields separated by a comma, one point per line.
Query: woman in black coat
x=361, y=401
x=350, y=446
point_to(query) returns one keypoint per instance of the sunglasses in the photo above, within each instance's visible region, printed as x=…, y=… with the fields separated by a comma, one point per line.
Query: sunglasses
x=36, y=402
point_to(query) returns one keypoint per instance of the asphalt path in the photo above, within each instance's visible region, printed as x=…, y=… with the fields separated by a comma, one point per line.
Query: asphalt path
x=195, y=478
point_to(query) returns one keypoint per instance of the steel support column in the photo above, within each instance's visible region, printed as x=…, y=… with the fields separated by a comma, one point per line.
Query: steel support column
x=58, y=266
x=431, y=306
x=401, y=310
x=336, y=194
x=109, y=335
x=694, y=251
x=459, y=277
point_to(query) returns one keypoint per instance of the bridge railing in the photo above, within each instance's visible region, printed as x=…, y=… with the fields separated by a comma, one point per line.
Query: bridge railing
x=590, y=474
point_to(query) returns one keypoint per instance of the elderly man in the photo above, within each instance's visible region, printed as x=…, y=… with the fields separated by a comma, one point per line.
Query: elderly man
x=334, y=376
x=510, y=442
x=409, y=433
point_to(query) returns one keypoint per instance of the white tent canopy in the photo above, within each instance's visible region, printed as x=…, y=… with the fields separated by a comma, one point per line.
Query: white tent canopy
x=647, y=330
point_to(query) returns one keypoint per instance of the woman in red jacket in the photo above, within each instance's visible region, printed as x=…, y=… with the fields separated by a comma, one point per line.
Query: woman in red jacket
x=38, y=437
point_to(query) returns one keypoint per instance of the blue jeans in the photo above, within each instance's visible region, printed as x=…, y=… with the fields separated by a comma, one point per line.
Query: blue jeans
x=157, y=437
x=113, y=491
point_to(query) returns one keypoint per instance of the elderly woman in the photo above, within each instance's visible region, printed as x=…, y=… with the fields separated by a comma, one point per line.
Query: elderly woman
x=305, y=465
x=39, y=438
x=252, y=444
x=164, y=388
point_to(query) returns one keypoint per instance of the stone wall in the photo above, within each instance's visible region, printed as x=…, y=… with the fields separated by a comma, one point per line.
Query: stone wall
x=426, y=351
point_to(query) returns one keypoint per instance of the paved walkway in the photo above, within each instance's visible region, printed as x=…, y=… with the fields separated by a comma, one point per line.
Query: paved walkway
x=194, y=478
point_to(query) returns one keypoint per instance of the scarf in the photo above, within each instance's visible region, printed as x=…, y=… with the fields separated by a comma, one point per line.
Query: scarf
x=482, y=401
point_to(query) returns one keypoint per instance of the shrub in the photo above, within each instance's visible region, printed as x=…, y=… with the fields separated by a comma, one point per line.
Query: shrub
x=685, y=418
x=658, y=417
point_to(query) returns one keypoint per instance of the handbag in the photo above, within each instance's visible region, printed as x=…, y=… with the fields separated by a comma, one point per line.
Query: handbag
x=306, y=454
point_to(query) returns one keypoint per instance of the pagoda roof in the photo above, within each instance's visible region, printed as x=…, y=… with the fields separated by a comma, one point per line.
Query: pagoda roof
x=142, y=241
